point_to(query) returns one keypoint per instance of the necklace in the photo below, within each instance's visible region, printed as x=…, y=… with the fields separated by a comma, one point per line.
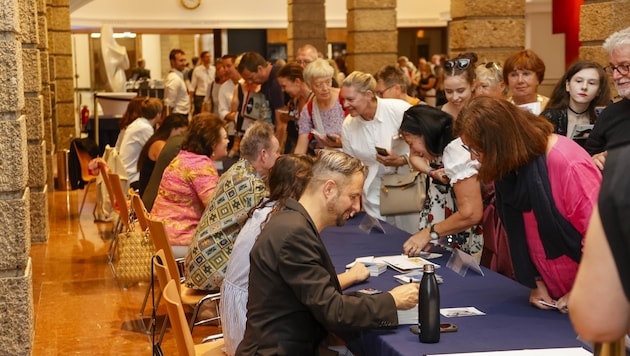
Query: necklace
x=577, y=113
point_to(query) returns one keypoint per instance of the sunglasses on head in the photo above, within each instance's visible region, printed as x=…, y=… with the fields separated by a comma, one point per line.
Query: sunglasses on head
x=491, y=65
x=460, y=63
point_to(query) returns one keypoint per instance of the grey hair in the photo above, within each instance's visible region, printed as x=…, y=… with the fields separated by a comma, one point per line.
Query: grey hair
x=362, y=82
x=336, y=165
x=319, y=68
x=616, y=40
x=257, y=137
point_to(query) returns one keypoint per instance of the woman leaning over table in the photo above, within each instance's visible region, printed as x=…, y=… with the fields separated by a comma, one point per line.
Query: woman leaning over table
x=546, y=188
x=582, y=88
x=428, y=132
x=324, y=114
x=189, y=180
x=524, y=71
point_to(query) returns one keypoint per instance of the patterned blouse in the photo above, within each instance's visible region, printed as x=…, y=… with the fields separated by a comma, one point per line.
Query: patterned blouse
x=238, y=191
x=185, y=190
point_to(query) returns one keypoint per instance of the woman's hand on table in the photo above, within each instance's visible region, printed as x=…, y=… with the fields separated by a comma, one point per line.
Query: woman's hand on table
x=405, y=296
x=539, y=294
x=416, y=243
x=563, y=304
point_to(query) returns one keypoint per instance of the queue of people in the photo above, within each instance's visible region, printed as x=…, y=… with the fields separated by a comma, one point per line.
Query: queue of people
x=502, y=163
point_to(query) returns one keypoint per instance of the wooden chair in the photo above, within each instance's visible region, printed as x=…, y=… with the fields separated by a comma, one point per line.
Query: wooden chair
x=84, y=160
x=142, y=215
x=190, y=296
x=122, y=208
x=183, y=337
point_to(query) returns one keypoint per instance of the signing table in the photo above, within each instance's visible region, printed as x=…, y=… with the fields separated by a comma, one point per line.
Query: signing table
x=510, y=322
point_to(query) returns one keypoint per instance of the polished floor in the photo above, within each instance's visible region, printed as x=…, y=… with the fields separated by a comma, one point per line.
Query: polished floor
x=80, y=309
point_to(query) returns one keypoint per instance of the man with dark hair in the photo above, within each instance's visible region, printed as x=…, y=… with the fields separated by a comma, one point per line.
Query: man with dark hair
x=175, y=91
x=296, y=297
x=140, y=72
x=202, y=76
x=255, y=69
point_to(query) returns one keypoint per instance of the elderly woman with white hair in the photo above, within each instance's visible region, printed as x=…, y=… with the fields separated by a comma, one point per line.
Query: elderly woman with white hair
x=490, y=80
x=323, y=115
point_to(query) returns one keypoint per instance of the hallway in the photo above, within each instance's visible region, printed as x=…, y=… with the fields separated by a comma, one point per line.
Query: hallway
x=80, y=309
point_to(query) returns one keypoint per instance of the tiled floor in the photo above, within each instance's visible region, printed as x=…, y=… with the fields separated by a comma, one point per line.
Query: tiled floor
x=80, y=309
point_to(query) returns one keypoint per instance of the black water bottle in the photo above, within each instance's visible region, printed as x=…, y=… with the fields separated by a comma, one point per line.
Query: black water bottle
x=429, y=306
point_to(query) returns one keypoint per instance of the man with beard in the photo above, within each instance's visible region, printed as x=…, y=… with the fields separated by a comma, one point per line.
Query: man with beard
x=612, y=128
x=295, y=296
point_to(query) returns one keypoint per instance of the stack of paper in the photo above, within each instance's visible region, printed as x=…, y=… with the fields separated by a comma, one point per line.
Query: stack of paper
x=404, y=264
x=375, y=268
x=414, y=277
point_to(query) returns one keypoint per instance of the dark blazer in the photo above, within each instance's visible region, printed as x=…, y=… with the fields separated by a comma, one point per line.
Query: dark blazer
x=294, y=293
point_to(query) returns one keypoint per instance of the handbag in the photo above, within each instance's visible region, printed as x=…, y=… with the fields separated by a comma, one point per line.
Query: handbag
x=403, y=193
x=133, y=256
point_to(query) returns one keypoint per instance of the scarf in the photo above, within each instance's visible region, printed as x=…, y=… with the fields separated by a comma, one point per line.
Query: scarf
x=528, y=189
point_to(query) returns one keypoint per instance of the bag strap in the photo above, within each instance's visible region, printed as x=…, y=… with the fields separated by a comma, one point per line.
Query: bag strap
x=157, y=348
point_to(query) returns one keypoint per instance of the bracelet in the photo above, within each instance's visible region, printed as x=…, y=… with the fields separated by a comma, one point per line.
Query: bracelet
x=405, y=160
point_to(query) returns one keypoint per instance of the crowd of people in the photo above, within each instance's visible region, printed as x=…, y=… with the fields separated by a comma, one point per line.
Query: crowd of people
x=505, y=165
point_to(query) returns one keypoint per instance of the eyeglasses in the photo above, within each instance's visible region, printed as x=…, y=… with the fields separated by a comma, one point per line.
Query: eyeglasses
x=622, y=69
x=471, y=150
x=460, y=63
x=303, y=62
x=380, y=93
x=321, y=84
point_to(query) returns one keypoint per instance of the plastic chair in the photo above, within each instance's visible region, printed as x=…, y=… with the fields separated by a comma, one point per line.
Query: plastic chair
x=183, y=337
x=187, y=296
x=84, y=160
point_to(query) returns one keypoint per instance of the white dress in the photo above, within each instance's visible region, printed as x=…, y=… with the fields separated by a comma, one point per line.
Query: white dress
x=234, y=293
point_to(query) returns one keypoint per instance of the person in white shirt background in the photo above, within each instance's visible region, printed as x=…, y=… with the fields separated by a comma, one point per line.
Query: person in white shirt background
x=202, y=76
x=175, y=90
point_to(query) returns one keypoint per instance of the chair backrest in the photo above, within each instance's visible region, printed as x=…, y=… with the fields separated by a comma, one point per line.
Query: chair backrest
x=84, y=161
x=160, y=241
x=175, y=310
x=138, y=207
x=121, y=200
x=161, y=268
x=104, y=172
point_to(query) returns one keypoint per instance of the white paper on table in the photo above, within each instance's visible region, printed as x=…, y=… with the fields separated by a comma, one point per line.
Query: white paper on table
x=568, y=351
x=408, y=317
x=404, y=263
x=461, y=311
x=364, y=260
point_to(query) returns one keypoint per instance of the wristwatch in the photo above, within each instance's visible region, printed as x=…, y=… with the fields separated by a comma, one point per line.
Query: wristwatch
x=433, y=234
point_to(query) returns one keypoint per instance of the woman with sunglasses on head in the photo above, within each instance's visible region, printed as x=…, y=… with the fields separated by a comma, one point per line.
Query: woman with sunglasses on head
x=583, y=87
x=449, y=166
x=524, y=71
x=546, y=188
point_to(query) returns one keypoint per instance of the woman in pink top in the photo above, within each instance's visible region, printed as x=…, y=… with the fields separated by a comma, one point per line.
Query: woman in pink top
x=546, y=188
x=189, y=180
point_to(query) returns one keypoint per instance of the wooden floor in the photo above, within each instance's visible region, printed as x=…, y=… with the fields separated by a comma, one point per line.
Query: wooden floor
x=80, y=309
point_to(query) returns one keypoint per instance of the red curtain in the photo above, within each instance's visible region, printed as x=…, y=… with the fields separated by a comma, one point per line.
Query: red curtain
x=566, y=19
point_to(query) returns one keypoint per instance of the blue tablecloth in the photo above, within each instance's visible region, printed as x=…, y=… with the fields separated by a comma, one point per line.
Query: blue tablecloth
x=510, y=322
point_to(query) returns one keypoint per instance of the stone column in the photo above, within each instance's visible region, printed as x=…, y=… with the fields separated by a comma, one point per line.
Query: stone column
x=492, y=29
x=37, y=157
x=46, y=107
x=307, y=25
x=598, y=20
x=16, y=293
x=61, y=74
x=372, y=36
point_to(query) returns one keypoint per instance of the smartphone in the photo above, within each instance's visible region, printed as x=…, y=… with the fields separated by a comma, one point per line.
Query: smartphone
x=444, y=328
x=381, y=151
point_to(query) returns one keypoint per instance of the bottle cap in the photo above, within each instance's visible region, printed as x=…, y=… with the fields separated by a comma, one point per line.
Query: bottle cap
x=429, y=267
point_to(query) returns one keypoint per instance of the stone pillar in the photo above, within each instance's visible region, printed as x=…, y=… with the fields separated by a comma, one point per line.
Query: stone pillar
x=16, y=293
x=598, y=20
x=61, y=75
x=492, y=29
x=37, y=157
x=372, y=36
x=46, y=107
x=307, y=25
